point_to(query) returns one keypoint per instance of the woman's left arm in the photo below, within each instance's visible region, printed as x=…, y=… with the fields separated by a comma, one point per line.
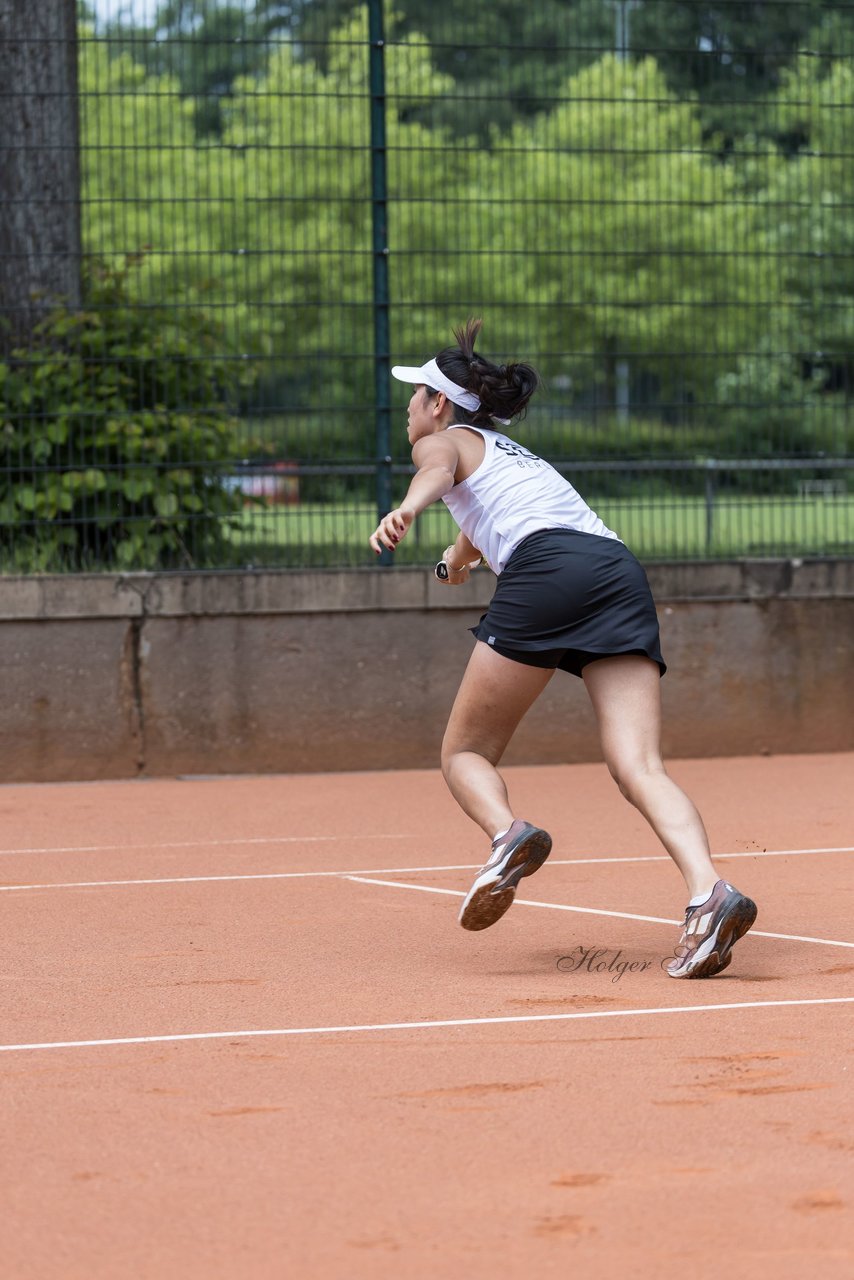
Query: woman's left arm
x=436, y=458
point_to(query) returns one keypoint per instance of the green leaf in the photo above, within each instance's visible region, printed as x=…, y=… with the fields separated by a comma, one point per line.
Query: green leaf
x=94, y=480
x=135, y=487
x=57, y=431
x=166, y=504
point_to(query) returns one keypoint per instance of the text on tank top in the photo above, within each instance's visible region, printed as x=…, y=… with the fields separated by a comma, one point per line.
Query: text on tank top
x=512, y=494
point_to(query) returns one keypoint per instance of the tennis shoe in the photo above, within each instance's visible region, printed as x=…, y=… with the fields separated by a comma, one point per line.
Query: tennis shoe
x=710, y=931
x=521, y=851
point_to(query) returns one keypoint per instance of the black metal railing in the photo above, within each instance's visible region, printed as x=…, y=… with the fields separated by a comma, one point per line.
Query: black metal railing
x=649, y=201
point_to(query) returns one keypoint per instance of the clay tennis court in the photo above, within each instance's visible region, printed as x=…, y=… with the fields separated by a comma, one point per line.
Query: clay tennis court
x=243, y=1035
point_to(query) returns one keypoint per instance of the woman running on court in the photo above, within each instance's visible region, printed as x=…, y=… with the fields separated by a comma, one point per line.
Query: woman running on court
x=569, y=595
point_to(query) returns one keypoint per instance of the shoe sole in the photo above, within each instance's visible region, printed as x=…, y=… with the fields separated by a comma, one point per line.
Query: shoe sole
x=733, y=925
x=494, y=890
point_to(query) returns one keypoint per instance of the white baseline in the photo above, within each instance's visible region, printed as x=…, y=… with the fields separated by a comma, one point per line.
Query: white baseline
x=425, y=1025
x=370, y=871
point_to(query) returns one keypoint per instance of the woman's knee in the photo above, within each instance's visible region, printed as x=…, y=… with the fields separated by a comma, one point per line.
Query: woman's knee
x=453, y=748
x=448, y=754
x=633, y=774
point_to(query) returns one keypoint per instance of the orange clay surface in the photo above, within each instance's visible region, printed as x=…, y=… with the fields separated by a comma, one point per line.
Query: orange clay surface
x=225, y=1056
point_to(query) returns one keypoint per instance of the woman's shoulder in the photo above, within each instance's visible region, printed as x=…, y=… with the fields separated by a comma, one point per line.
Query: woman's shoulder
x=470, y=444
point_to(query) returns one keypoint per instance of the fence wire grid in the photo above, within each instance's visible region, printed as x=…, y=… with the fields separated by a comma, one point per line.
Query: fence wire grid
x=224, y=222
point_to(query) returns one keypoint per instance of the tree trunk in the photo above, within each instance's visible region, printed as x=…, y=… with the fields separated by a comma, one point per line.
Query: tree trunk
x=39, y=163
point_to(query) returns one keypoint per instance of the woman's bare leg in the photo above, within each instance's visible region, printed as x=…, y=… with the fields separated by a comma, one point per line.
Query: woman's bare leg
x=494, y=695
x=625, y=695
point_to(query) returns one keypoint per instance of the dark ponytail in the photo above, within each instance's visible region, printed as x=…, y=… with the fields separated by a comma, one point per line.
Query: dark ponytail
x=503, y=390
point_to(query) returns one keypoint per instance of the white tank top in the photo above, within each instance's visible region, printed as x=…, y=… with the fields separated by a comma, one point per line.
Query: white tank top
x=513, y=494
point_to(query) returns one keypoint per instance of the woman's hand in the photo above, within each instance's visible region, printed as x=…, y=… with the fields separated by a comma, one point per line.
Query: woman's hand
x=391, y=529
x=451, y=576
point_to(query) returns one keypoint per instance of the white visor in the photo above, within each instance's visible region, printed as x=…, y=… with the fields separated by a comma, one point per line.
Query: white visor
x=432, y=376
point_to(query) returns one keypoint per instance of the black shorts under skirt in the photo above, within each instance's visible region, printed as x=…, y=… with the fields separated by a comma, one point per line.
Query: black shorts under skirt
x=567, y=598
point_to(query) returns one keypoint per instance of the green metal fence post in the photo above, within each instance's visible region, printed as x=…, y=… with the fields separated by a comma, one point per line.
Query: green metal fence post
x=379, y=217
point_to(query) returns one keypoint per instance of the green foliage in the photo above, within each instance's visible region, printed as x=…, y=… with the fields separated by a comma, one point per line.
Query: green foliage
x=604, y=230
x=768, y=409
x=814, y=237
x=606, y=218
x=139, y=156
x=204, y=45
x=115, y=437
x=509, y=61
x=678, y=220
x=278, y=231
x=730, y=57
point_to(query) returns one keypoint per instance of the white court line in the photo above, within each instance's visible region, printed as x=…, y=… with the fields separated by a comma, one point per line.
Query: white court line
x=593, y=911
x=412, y=1026
x=406, y=835
x=365, y=878
x=372, y=871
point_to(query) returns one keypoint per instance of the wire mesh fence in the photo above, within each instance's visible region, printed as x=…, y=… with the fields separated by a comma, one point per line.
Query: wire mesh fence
x=269, y=204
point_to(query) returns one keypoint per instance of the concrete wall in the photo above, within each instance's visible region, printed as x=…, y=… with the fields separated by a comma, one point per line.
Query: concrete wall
x=117, y=676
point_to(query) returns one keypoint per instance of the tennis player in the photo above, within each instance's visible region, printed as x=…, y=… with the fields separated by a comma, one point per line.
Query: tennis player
x=569, y=596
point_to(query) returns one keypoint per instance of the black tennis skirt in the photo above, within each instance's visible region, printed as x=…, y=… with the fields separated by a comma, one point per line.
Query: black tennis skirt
x=567, y=598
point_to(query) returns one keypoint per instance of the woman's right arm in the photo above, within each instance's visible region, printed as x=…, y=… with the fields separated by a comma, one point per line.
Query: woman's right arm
x=436, y=458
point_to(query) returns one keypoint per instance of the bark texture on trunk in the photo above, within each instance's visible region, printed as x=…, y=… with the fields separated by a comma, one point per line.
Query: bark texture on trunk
x=39, y=163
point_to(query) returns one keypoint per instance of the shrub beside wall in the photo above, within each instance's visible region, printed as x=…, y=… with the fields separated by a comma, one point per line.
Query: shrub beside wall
x=116, y=438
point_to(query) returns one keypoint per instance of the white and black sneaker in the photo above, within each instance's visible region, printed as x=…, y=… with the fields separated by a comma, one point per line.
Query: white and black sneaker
x=520, y=851
x=711, y=929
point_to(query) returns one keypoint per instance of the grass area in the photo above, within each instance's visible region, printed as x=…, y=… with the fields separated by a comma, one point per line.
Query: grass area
x=331, y=534
x=335, y=535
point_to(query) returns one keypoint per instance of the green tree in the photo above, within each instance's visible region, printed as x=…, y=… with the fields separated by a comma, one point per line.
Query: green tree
x=601, y=232
x=299, y=144
x=509, y=61
x=204, y=44
x=811, y=235
x=505, y=60
x=139, y=160
x=629, y=243
x=731, y=56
